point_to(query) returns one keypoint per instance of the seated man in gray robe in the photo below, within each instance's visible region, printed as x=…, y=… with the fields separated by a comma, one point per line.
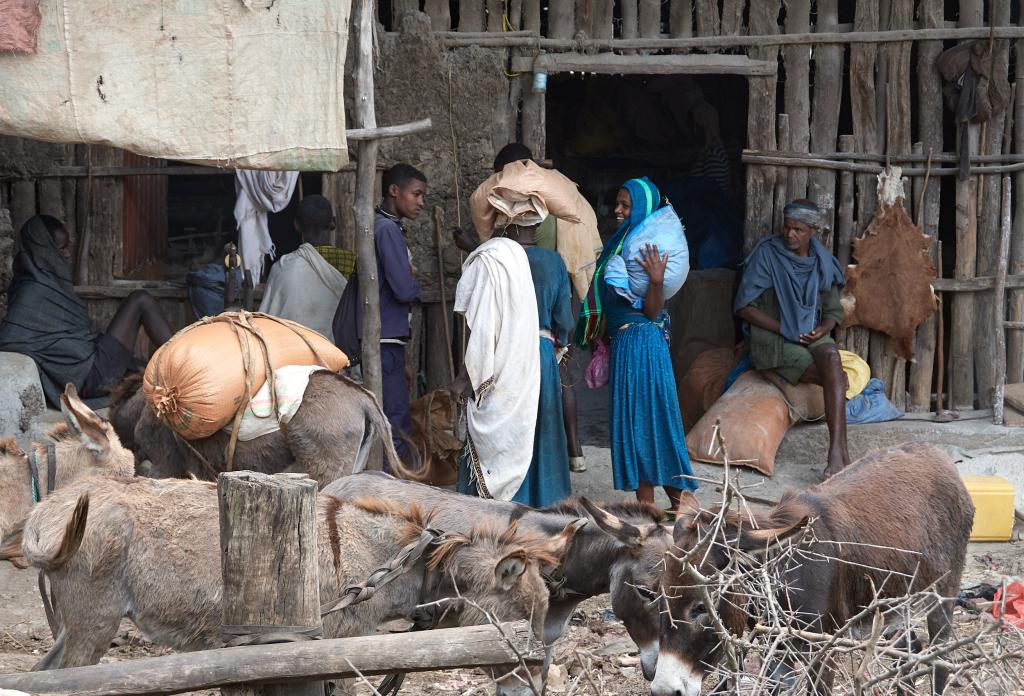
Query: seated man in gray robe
x=303, y=286
x=789, y=297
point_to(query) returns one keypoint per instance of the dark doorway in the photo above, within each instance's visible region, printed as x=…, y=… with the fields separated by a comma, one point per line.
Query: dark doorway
x=684, y=132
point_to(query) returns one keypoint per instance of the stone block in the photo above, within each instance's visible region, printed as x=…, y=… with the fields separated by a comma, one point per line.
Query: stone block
x=21, y=394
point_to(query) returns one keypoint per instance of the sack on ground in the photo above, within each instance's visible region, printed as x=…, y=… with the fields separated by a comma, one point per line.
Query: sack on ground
x=624, y=272
x=196, y=382
x=754, y=416
x=871, y=405
x=703, y=383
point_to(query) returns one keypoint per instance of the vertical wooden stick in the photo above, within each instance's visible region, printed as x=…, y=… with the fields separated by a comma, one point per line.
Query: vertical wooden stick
x=603, y=26
x=680, y=20
x=471, y=15
x=798, y=80
x=440, y=14
x=269, y=563
x=707, y=17
x=561, y=20
x=782, y=182
x=1015, y=341
x=828, y=68
x=366, y=172
x=438, y=226
x=999, y=309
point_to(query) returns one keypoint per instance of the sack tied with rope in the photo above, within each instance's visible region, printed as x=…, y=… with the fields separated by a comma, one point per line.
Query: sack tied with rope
x=204, y=377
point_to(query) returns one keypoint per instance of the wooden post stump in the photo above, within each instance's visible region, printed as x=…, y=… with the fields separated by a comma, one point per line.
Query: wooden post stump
x=269, y=564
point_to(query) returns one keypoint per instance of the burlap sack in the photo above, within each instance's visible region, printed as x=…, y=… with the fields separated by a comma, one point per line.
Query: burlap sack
x=548, y=190
x=754, y=418
x=703, y=383
x=196, y=382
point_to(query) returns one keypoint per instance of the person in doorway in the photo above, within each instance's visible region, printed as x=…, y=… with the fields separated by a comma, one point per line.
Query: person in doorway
x=303, y=286
x=48, y=322
x=789, y=298
x=648, y=444
x=500, y=379
x=544, y=236
x=405, y=190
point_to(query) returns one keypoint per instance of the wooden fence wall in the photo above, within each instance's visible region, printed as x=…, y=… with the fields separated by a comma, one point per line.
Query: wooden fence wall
x=877, y=67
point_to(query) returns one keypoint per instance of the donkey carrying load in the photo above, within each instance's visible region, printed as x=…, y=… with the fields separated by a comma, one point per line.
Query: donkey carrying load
x=329, y=436
x=146, y=549
x=895, y=522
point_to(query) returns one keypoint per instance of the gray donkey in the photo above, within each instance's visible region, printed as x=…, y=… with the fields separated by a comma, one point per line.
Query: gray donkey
x=623, y=554
x=55, y=462
x=329, y=436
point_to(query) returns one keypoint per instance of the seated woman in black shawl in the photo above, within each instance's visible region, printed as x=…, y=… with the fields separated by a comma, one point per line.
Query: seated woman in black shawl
x=789, y=295
x=48, y=322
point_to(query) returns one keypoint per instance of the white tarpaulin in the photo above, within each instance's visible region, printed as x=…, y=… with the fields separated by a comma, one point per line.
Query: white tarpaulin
x=255, y=84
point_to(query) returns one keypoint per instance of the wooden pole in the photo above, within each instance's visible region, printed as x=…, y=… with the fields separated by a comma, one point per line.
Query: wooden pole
x=534, y=118
x=781, y=182
x=269, y=564
x=790, y=160
x=440, y=14
x=929, y=119
x=366, y=173
x=561, y=19
x=708, y=18
x=629, y=19
x=989, y=224
x=438, y=226
x=339, y=658
x=798, y=80
x=680, y=19
x=828, y=69
x=862, y=101
x=844, y=228
x=584, y=17
x=732, y=17
x=650, y=18
x=495, y=10
x=471, y=15
x=1015, y=341
x=604, y=12
x=531, y=15
x=764, y=19
x=961, y=382
x=999, y=305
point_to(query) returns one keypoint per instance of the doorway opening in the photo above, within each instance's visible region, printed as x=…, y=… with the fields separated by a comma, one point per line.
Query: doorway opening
x=686, y=133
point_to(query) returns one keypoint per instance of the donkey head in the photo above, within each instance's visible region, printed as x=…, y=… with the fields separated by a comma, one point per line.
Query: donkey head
x=636, y=572
x=85, y=444
x=500, y=572
x=688, y=640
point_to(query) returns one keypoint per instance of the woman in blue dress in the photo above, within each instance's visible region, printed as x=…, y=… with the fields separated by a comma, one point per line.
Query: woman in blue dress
x=648, y=444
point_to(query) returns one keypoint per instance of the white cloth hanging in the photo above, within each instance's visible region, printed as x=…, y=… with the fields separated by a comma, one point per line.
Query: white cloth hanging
x=259, y=193
x=497, y=297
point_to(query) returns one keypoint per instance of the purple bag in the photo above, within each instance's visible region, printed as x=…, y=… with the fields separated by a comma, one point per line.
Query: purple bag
x=597, y=369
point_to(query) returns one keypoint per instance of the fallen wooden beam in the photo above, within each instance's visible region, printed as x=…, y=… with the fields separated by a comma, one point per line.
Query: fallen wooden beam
x=644, y=65
x=339, y=658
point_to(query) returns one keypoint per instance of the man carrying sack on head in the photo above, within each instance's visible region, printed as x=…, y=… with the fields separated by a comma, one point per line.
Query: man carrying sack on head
x=789, y=297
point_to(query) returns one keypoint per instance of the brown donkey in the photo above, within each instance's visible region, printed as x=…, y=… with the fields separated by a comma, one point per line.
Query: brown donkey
x=898, y=520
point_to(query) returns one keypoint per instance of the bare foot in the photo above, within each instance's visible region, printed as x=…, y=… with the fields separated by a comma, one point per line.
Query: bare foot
x=837, y=461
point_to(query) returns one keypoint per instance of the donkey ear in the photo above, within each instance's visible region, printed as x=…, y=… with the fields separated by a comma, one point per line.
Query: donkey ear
x=509, y=570
x=688, y=504
x=86, y=424
x=763, y=539
x=559, y=544
x=624, y=532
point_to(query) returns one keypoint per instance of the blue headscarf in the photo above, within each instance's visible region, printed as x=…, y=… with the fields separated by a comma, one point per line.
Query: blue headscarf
x=644, y=199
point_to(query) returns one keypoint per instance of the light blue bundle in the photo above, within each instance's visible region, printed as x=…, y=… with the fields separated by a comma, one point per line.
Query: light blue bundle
x=624, y=272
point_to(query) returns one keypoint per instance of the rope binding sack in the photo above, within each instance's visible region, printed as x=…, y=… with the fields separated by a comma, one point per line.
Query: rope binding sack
x=204, y=377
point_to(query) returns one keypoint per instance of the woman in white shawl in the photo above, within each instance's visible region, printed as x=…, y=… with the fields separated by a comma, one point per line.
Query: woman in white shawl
x=501, y=375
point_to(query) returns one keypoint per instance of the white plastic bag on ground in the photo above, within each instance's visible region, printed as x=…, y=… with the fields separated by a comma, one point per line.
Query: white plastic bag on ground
x=624, y=272
x=255, y=85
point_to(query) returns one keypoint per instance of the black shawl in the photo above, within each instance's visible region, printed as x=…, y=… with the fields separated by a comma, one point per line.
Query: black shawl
x=45, y=319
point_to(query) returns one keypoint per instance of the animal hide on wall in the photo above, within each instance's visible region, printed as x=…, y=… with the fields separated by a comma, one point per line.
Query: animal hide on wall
x=890, y=287
x=19, y=25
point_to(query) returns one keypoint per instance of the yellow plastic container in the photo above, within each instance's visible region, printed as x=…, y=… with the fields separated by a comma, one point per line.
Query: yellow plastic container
x=993, y=507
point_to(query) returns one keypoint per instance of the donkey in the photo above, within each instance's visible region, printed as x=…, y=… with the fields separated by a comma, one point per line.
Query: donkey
x=622, y=555
x=142, y=555
x=897, y=520
x=329, y=436
x=55, y=462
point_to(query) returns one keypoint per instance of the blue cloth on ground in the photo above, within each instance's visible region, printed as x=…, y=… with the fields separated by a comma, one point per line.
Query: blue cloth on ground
x=871, y=406
x=624, y=272
x=796, y=280
x=647, y=439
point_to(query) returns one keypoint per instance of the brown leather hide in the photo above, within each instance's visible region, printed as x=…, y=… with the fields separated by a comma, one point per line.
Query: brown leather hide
x=890, y=287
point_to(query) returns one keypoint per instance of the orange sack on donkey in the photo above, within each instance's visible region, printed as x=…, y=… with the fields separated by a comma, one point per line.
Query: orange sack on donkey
x=196, y=382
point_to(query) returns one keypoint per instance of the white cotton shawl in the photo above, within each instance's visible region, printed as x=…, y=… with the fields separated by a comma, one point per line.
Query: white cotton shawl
x=496, y=295
x=259, y=192
x=303, y=287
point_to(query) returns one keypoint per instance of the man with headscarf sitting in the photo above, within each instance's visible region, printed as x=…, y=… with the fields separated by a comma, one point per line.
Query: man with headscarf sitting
x=789, y=296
